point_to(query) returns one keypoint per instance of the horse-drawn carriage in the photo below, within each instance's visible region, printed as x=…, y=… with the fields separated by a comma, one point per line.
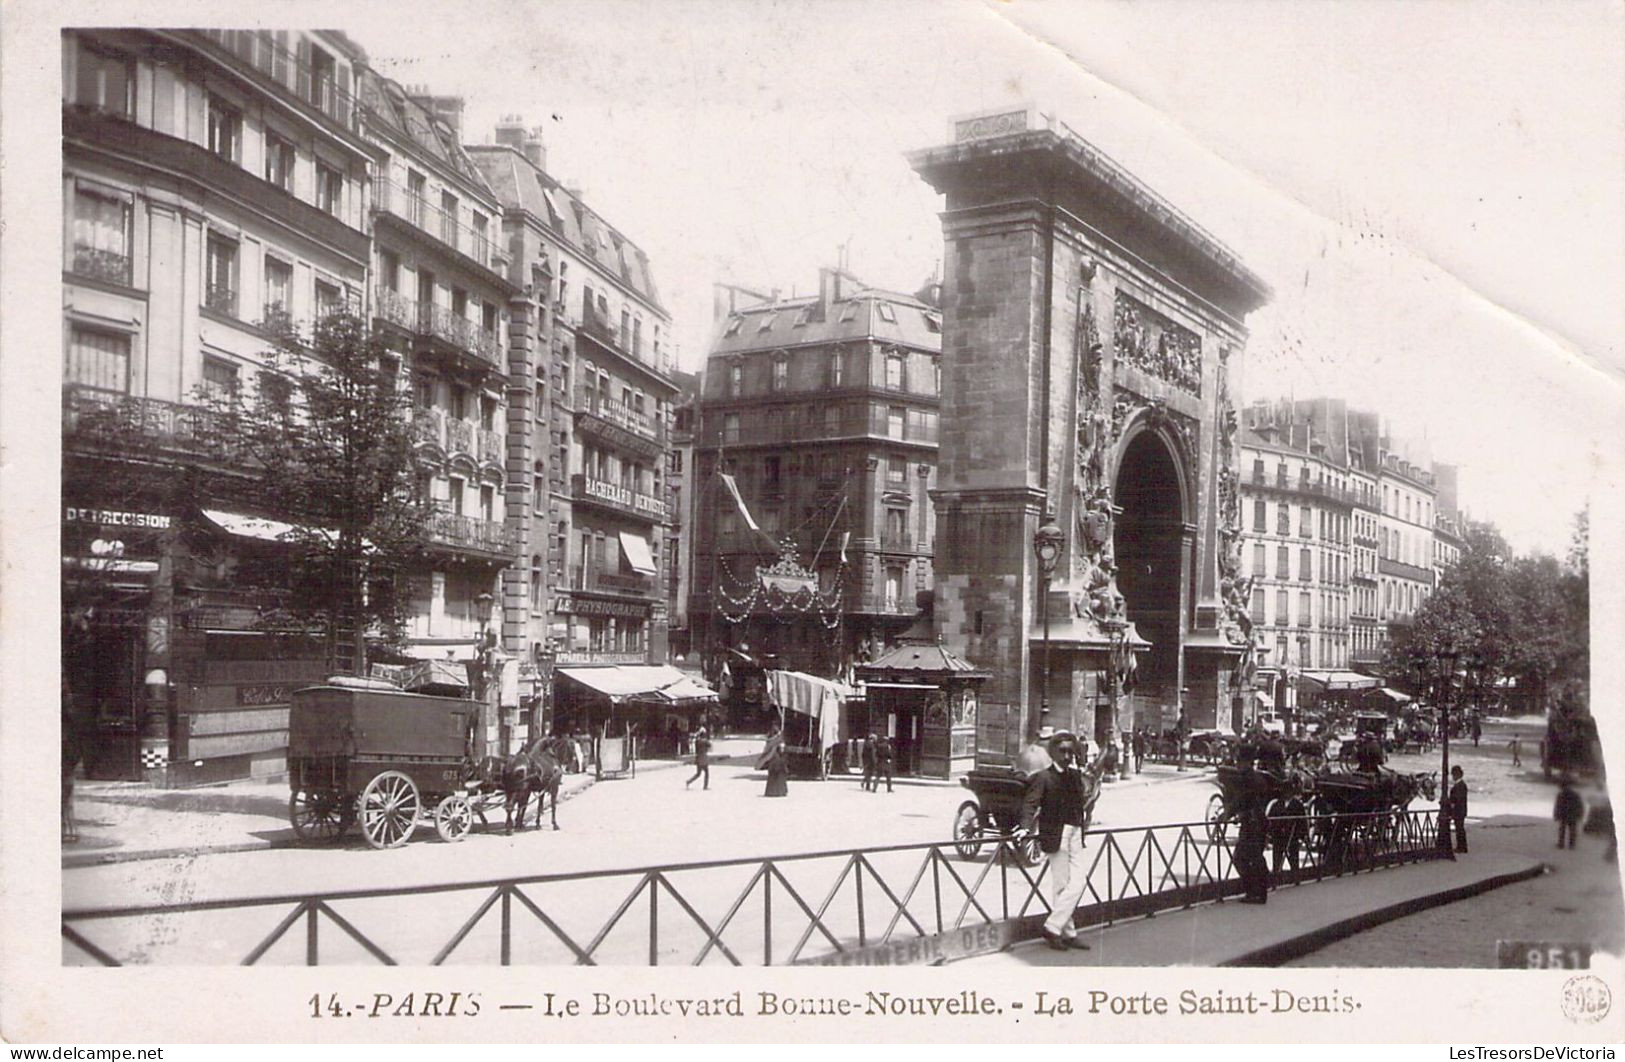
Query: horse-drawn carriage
x=363, y=751
x=995, y=814
x=1325, y=792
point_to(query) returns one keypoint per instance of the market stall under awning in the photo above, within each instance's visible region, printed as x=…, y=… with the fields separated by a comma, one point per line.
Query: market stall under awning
x=819, y=699
x=638, y=681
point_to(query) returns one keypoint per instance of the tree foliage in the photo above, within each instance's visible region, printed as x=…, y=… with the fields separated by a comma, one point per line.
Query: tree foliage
x=1526, y=616
x=328, y=432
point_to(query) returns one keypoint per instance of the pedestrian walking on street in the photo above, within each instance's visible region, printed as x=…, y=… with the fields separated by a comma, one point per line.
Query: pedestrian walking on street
x=1478, y=731
x=1139, y=748
x=1252, y=834
x=1053, y=808
x=702, y=758
x=778, y=768
x=1568, y=810
x=869, y=744
x=885, y=757
x=1458, y=808
x=1516, y=745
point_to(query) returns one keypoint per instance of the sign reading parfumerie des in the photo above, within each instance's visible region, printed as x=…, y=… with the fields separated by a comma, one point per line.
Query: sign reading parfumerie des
x=961, y=943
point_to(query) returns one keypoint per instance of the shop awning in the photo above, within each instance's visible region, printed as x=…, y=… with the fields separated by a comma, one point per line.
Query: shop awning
x=245, y=526
x=636, y=550
x=1264, y=699
x=624, y=681
x=1395, y=695
x=1338, y=680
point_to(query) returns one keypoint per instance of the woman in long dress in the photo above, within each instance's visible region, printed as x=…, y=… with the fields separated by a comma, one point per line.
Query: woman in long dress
x=778, y=770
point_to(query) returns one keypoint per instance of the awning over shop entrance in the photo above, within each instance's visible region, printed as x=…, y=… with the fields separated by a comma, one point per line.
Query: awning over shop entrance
x=639, y=681
x=636, y=550
x=1337, y=680
x=1395, y=695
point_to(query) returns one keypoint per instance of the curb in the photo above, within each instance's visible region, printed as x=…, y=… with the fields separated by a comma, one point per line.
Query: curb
x=1296, y=947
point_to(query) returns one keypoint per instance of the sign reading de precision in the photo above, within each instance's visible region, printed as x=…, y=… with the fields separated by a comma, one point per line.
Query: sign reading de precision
x=114, y=518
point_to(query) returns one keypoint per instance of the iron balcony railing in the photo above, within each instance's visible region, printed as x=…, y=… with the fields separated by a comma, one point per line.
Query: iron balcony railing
x=100, y=264
x=469, y=532
x=439, y=322
x=590, y=578
x=785, y=427
x=220, y=299
x=258, y=51
x=623, y=498
x=893, y=904
x=99, y=416
x=445, y=226
x=617, y=413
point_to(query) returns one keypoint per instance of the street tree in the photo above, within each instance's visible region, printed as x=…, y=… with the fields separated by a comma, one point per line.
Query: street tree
x=328, y=433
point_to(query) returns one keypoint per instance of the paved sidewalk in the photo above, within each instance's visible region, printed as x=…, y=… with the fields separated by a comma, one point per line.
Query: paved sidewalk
x=1297, y=919
x=122, y=821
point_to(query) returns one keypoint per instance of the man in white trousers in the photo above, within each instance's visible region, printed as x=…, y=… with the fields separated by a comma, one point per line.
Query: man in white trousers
x=1054, y=808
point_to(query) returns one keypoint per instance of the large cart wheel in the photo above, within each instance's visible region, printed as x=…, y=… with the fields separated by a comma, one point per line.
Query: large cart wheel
x=1217, y=822
x=319, y=815
x=453, y=817
x=389, y=810
x=968, y=830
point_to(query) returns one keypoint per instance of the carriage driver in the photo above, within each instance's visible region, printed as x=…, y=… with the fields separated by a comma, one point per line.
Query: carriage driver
x=1054, y=806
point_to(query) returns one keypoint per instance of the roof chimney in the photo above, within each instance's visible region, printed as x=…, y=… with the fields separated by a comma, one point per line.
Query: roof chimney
x=535, y=149
x=511, y=132
x=829, y=286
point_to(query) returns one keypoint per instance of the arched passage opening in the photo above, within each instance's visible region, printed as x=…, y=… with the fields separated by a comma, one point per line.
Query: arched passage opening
x=1148, y=536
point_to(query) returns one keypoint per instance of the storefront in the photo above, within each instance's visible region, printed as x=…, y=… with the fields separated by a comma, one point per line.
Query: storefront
x=655, y=706
x=925, y=699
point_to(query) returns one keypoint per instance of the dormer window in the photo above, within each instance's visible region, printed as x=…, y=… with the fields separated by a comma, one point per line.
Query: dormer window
x=734, y=324
x=885, y=311
x=767, y=323
x=933, y=323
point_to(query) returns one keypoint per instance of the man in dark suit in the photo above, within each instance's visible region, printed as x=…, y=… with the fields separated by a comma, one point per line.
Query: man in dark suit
x=1054, y=808
x=869, y=762
x=1252, y=833
x=885, y=759
x=1458, y=808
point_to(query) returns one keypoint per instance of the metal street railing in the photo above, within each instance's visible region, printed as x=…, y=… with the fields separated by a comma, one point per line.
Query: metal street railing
x=894, y=904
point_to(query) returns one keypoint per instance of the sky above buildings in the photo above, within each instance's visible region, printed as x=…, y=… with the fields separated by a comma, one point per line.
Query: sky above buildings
x=1432, y=190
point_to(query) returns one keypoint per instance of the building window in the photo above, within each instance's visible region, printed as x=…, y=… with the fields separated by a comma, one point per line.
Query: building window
x=98, y=359
x=1258, y=470
x=734, y=324
x=482, y=237
x=225, y=129
x=1260, y=519
x=885, y=311
x=328, y=299
x=448, y=218
x=1306, y=522
x=894, y=372
x=1304, y=609
x=104, y=82
x=933, y=323
x=279, y=159
x=1306, y=565
x=1282, y=616
x=1258, y=559
x=1283, y=563
x=771, y=473
x=220, y=275
x=730, y=427
x=895, y=416
x=781, y=373
x=1283, y=519
x=894, y=588
x=219, y=379
x=329, y=189
x=102, y=235
x=897, y=470
x=278, y=293
x=1258, y=604
x=767, y=323
x=736, y=381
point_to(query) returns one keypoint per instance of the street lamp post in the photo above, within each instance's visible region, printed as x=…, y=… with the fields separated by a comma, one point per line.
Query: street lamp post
x=482, y=602
x=1447, y=655
x=1117, y=631
x=1047, y=542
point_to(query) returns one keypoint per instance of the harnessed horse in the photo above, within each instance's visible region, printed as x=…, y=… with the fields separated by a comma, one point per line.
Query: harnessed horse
x=534, y=769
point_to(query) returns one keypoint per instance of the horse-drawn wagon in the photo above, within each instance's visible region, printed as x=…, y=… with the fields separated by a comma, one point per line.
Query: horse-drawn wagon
x=367, y=752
